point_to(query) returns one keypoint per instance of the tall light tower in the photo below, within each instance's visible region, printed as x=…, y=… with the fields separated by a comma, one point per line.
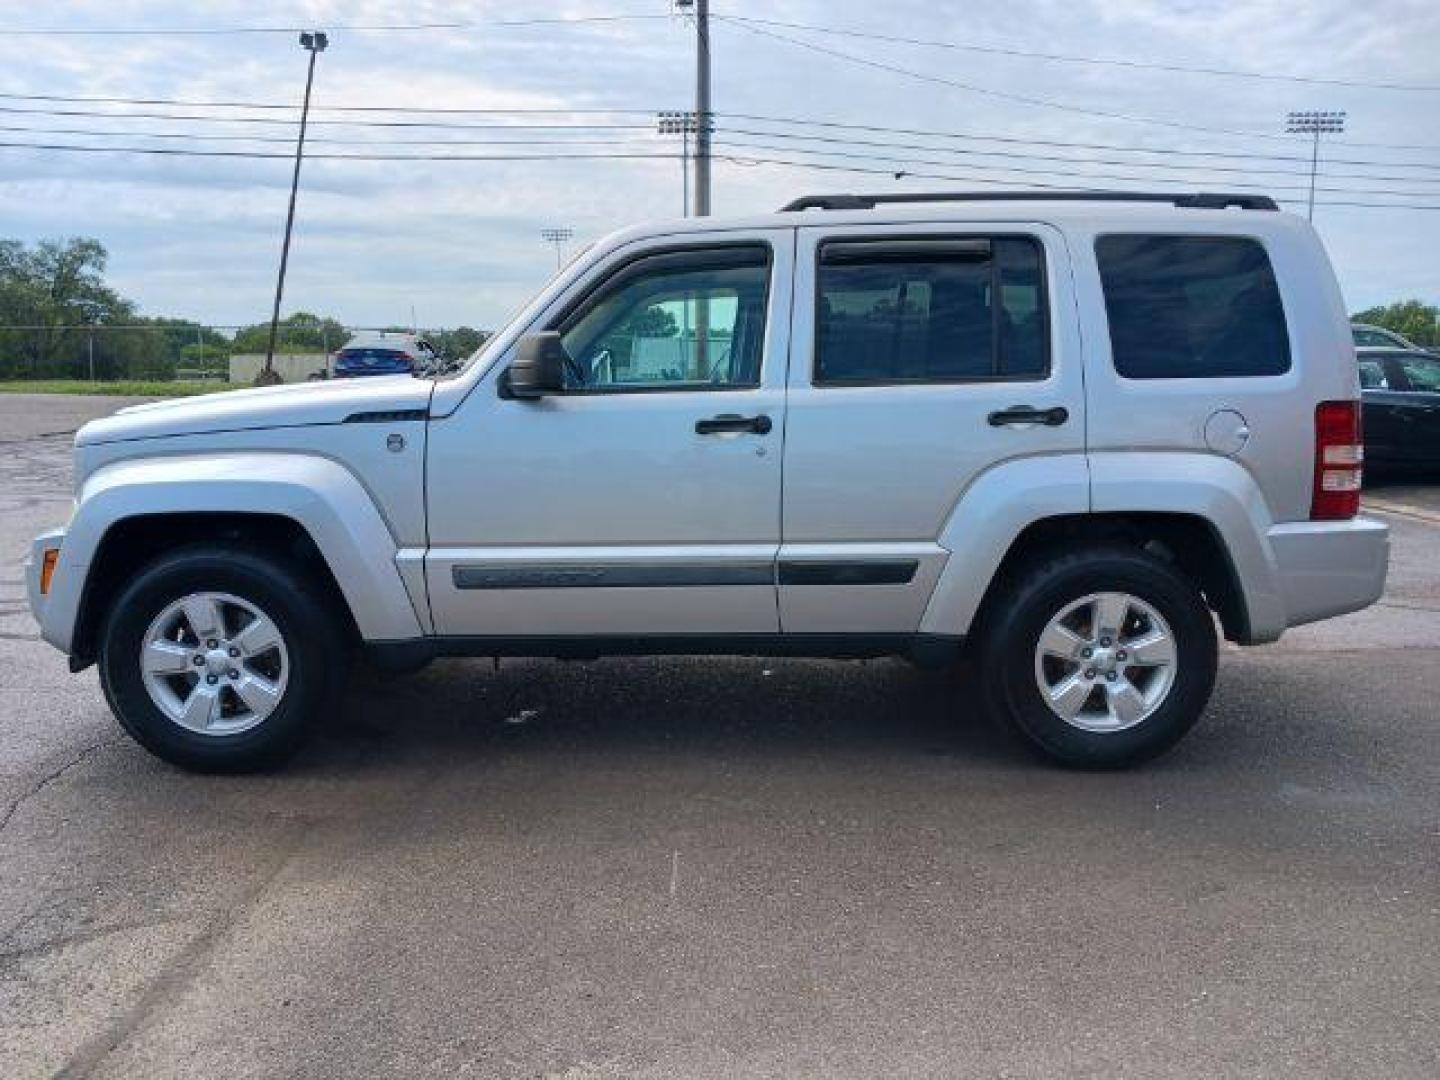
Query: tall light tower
x=682, y=124
x=314, y=42
x=1314, y=124
x=558, y=237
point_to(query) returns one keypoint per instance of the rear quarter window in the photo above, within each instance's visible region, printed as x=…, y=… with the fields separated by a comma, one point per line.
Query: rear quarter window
x=1192, y=307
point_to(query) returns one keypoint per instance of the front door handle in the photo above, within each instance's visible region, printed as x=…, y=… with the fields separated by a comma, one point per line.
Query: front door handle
x=733, y=423
x=1024, y=414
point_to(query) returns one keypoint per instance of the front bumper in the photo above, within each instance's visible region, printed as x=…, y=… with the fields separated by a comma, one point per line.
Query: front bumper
x=42, y=605
x=1328, y=568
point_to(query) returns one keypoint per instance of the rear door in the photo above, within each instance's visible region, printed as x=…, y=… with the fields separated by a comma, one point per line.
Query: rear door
x=1383, y=399
x=1419, y=411
x=921, y=356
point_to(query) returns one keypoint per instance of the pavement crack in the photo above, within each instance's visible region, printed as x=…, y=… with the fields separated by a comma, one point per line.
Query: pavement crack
x=172, y=981
x=50, y=778
x=1406, y=607
x=79, y=937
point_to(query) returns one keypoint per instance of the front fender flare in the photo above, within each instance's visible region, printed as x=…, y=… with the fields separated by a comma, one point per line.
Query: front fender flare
x=318, y=494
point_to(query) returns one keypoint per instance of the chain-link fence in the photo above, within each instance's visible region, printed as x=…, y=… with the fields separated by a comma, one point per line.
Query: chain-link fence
x=184, y=352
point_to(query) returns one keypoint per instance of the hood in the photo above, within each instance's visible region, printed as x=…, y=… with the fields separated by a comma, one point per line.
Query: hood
x=293, y=405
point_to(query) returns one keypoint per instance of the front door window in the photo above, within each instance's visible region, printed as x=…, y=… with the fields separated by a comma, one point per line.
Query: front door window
x=691, y=320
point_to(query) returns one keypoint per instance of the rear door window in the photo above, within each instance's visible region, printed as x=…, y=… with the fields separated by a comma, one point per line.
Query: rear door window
x=930, y=309
x=1372, y=376
x=1421, y=372
x=1192, y=307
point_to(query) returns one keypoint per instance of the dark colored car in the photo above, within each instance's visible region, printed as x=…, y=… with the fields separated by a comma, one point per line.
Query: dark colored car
x=373, y=360
x=1401, y=393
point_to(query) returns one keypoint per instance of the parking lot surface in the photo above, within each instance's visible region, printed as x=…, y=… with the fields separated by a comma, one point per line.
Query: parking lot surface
x=725, y=868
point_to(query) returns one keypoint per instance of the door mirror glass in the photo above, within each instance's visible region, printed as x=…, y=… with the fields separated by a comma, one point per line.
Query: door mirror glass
x=539, y=366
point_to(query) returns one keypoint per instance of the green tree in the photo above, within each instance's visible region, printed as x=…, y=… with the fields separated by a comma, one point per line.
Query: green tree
x=52, y=292
x=300, y=332
x=1412, y=319
x=654, y=322
x=461, y=342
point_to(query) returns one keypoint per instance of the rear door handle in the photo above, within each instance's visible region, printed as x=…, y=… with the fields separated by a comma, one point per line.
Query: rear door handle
x=1024, y=414
x=734, y=423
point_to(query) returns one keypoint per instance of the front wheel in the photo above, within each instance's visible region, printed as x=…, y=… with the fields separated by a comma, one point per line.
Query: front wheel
x=1099, y=658
x=221, y=660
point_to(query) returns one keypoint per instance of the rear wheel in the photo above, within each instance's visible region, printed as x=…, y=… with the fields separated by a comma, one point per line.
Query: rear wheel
x=218, y=659
x=1099, y=658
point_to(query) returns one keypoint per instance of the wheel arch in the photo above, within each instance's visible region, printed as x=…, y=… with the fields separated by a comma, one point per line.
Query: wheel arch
x=1187, y=541
x=1201, y=511
x=132, y=542
x=302, y=505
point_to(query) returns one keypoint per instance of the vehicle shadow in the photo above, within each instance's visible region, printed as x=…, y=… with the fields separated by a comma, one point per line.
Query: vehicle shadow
x=720, y=705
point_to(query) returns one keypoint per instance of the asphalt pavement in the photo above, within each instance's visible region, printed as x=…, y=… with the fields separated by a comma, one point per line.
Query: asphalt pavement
x=696, y=868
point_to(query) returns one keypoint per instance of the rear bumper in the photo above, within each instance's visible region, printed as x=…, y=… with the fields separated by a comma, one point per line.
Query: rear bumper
x=1328, y=568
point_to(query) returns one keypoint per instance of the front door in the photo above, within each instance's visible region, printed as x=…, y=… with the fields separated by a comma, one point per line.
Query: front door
x=645, y=499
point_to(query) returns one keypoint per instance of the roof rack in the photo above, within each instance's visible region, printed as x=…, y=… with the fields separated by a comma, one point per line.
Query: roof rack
x=1198, y=200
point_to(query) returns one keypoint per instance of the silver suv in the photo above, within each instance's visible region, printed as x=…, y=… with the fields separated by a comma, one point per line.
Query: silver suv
x=1069, y=433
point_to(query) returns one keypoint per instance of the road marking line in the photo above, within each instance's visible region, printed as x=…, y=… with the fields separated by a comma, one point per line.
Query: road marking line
x=1430, y=517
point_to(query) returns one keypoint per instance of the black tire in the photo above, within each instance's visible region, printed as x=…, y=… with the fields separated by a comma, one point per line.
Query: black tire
x=298, y=606
x=1015, y=619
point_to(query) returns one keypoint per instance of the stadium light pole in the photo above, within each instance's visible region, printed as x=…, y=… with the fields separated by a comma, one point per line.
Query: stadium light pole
x=558, y=237
x=1314, y=124
x=314, y=42
x=682, y=124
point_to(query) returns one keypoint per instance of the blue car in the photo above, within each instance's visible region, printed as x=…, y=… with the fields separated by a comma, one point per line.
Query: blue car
x=365, y=360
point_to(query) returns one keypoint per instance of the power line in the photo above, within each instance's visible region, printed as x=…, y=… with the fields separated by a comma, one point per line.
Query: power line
x=287, y=140
x=290, y=106
x=1069, y=178
x=726, y=136
x=175, y=151
x=998, y=50
x=1024, y=99
x=648, y=113
x=1026, y=171
x=747, y=160
x=448, y=125
x=217, y=31
x=734, y=158
x=1247, y=170
x=1011, y=140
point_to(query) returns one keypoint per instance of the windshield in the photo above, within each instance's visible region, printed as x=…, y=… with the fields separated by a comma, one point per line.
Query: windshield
x=1370, y=337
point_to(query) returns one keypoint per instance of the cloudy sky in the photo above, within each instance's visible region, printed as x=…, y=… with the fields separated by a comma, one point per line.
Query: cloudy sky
x=459, y=240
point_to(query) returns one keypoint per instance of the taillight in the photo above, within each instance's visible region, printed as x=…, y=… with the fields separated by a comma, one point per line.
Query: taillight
x=1339, y=453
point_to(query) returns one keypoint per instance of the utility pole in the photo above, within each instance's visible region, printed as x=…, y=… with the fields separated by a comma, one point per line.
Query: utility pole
x=558, y=237
x=702, y=108
x=1314, y=124
x=314, y=43
x=704, y=125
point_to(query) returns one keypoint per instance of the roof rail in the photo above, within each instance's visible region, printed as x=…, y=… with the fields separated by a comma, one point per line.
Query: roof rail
x=1198, y=200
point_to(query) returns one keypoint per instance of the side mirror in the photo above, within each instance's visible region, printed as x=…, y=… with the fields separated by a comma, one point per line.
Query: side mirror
x=539, y=366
